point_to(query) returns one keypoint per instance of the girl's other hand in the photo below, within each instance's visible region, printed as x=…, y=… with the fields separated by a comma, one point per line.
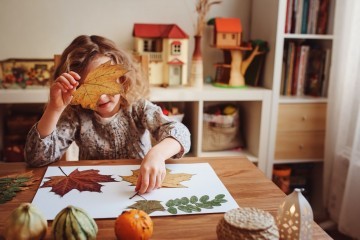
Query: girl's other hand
x=152, y=174
x=61, y=91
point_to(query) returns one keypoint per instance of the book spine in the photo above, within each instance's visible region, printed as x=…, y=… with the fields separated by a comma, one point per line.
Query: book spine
x=326, y=74
x=298, y=20
x=323, y=17
x=296, y=69
x=291, y=68
x=304, y=20
x=315, y=71
x=313, y=16
x=289, y=12
x=302, y=69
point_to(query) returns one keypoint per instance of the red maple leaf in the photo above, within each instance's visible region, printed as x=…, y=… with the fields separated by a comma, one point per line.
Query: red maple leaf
x=87, y=180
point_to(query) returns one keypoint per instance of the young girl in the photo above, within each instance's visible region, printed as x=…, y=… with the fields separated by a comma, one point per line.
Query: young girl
x=121, y=125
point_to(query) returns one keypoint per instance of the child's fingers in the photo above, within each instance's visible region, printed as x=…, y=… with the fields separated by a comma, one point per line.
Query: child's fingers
x=152, y=183
x=75, y=75
x=144, y=183
x=158, y=181
x=138, y=183
x=74, y=78
x=60, y=86
x=64, y=81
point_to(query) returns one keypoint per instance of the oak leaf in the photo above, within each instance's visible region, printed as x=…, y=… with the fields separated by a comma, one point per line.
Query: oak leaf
x=101, y=80
x=10, y=185
x=170, y=181
x=148, y=206
x=87, y=180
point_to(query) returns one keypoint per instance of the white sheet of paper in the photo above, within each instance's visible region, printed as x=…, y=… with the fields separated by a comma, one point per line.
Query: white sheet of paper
x=114, y=196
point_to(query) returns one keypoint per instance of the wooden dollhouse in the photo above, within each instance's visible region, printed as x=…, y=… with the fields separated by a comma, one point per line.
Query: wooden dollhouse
x=166, y=48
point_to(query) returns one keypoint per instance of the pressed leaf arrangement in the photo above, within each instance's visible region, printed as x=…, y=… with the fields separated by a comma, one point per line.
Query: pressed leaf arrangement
x=12, y=184
x=194, y=204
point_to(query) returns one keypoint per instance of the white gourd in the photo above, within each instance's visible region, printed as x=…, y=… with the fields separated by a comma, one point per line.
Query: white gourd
x=26, y=222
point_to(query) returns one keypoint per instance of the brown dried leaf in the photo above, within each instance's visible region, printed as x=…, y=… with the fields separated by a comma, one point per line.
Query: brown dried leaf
x=148, y=206
x=102, y=80
x=87, y=180
x=170, y=181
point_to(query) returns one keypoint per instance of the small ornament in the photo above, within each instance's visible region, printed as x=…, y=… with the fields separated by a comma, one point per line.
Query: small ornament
x=295, y=217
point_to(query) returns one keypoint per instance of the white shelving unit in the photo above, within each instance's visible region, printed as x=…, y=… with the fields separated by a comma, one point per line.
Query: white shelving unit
x=255, y=103
x=271, y=26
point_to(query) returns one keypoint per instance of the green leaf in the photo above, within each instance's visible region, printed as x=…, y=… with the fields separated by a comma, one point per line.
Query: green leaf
x=194, y=199
x=204, y=198
x=214, y=204
x=177, y=202
x=220, y=196
x=184, y=201
x=185, y=209
x=170, y=203
x=172, y=210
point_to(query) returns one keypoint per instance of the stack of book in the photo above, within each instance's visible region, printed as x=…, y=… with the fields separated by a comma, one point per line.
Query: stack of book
x=307, y=16
x=306, y=69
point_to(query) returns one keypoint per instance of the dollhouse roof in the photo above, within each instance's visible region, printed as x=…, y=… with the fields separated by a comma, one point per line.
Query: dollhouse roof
x=228, y=25
x=144, y=30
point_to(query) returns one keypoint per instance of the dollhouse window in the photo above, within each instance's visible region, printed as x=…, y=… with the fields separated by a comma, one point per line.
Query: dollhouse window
x=149, y=45
x=233, y=36
x=176, y=48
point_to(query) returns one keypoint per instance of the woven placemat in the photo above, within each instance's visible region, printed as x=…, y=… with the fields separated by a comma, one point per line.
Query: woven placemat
x=249, y=219
x=247, y=223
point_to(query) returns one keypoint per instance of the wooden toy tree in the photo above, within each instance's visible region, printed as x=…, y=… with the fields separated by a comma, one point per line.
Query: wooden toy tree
x=227, y=37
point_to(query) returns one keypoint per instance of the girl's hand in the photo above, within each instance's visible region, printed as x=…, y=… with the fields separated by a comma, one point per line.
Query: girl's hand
x=152, y=173
x=61, y=91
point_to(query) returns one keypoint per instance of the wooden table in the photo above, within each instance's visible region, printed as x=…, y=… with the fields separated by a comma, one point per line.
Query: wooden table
x=245, y=182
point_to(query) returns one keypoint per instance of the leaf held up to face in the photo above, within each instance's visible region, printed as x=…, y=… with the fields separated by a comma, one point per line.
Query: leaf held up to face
x=101, y=80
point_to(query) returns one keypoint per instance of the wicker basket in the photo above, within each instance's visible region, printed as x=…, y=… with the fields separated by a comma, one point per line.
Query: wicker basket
x=247, y=223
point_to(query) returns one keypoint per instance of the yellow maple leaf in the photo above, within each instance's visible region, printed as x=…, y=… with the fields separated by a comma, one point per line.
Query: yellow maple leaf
x=170, y=181
x=101, y=80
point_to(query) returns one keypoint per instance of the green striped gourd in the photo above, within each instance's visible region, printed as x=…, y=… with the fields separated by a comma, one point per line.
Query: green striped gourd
x=25, y=222
x=74, y=223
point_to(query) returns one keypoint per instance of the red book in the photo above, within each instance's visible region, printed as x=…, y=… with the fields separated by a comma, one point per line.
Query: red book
x=323, y=16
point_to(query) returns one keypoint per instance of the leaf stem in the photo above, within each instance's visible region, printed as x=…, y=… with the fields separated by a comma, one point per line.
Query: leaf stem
x=137, y=194
x=63, y=171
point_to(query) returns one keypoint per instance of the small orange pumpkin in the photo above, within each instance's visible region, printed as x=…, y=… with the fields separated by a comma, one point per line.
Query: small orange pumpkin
x=133, y=224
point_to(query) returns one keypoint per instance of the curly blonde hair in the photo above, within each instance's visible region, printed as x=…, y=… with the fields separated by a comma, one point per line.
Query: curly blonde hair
x=84, y=49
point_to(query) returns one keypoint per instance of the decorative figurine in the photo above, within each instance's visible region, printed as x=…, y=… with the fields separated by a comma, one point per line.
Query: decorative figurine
x=228, y=37
x=166, y=48
x=295, y=217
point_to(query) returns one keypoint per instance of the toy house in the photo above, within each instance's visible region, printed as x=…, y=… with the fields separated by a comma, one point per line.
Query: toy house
x=227, y=32
x=166, y=48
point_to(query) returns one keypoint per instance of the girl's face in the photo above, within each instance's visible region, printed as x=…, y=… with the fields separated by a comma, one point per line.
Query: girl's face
x=107, y=105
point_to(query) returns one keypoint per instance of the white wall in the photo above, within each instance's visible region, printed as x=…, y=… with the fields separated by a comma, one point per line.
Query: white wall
x=42, y=28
